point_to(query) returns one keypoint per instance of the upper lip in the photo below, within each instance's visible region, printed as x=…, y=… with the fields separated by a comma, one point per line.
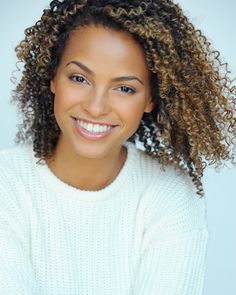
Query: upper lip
x=93, y=122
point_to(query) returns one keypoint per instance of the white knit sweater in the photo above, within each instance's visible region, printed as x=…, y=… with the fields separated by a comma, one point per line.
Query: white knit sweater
x=144, y=234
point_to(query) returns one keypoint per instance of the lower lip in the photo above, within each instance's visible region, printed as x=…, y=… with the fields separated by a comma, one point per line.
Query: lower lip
x=89, y=135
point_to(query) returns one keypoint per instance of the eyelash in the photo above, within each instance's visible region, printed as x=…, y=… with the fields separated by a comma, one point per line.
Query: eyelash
x=132, y=90
x=74, y=78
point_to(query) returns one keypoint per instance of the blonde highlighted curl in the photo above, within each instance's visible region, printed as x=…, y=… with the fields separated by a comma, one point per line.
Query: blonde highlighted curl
x=193, y=123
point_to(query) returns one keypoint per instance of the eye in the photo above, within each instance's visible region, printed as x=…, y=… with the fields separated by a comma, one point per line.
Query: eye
x=127, y=90
x=78, y=79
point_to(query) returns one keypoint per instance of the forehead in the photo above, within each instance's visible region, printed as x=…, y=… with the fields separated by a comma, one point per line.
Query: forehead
x=105, y=47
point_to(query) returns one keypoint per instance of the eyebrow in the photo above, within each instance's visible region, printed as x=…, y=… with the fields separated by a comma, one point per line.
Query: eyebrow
x=90, y=72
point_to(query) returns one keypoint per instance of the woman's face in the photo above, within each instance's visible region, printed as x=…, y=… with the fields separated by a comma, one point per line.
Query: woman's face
x=103, y=79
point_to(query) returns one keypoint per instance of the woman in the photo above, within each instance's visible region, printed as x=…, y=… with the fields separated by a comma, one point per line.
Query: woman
x=83, y=210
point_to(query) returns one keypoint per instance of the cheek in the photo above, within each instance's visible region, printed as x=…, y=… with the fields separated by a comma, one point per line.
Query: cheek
x=65, y=99
x=132, y=111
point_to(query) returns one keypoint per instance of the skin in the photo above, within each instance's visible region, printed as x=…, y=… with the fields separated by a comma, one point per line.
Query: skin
x=82, y=163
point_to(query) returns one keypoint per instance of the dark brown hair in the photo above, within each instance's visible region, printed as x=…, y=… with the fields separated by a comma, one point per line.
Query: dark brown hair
x=193, y=122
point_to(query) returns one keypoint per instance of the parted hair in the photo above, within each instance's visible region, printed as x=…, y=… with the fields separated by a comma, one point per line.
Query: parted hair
x=193, y=122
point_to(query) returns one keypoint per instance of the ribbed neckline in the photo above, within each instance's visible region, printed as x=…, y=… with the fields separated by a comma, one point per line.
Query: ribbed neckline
x=68, y=191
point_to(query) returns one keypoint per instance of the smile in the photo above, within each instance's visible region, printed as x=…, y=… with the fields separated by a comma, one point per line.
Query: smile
x=93, y=128
x=92, y=132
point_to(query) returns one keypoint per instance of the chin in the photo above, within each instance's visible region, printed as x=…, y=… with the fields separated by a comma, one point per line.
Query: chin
x=91, y=152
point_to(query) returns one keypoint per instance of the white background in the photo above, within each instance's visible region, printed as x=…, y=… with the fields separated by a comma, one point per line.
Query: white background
x=217, y=20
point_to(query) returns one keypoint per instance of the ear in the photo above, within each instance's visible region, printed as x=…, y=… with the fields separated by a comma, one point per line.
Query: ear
x=52, y=86
x=150, y=105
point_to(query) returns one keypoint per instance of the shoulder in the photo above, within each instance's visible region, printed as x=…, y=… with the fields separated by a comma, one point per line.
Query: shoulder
x=14, y=168
x=160, y=179
x=15, y=161
x=16, y=151
x=16, y=154
x=170, y=197
x=174, y=205
x=142, y=165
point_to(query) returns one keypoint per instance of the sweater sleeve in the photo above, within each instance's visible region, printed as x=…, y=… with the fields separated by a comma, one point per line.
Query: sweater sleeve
x=174, y=247
x=16, y=271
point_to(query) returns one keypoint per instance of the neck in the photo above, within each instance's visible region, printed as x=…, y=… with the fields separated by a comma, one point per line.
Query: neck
x=86, y=173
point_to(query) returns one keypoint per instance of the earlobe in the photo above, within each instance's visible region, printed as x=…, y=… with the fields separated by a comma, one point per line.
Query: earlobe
x=150, y=106
x=52, y=87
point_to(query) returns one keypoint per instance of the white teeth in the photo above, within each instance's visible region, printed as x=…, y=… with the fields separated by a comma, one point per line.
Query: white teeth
x=89, y=127
x=93, y=128
x=81, y=123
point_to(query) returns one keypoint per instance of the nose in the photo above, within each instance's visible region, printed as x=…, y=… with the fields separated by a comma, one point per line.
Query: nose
x=97, y=103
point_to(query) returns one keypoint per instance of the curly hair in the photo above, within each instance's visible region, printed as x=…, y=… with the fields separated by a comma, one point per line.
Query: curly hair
x=193, y=122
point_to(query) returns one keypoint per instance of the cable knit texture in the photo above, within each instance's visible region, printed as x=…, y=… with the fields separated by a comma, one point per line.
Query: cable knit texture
x=144, y=234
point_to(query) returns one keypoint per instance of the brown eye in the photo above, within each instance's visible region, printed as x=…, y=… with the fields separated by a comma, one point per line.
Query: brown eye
x=127, y=90
x=78, y=79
